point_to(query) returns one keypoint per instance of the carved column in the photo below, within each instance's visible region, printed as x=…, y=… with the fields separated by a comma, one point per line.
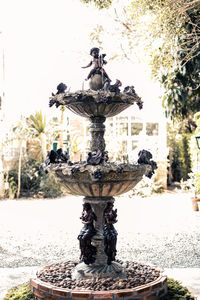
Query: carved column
x=97, y=130
x=98, y=206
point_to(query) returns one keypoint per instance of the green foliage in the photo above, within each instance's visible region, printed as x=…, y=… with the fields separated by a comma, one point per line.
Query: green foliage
x=185, y=158
x=166, y=35
x=176, y=291
x=12, y=188
x=34, y=182
x=37, y=123
x=182, y=82
x=180, y=158
x=147, y=187
x=20, y=292
x=30, y=180
x=49, y=187
x=99, y=3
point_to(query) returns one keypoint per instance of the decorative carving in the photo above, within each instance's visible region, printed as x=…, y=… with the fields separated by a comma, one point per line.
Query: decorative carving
x=97, y=130
x=61, y=88
x=120, y=170
x=145, y=158
x=129, y=90
x=98, y=174
x=75, y=170
x=90, y=103
x=97, y=157
x=56, y=157
x=110, y=233
x=88, y=251
x=114, y=88
x=54, y=101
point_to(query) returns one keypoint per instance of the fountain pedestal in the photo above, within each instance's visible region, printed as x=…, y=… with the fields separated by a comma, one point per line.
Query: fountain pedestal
x=100, y=268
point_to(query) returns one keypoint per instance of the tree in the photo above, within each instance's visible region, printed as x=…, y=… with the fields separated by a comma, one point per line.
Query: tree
x=99, y=3
x=38, y=128
x=167, y=33
x=22, y=133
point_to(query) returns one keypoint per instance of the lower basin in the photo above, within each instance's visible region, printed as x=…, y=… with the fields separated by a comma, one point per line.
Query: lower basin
x=105, y=180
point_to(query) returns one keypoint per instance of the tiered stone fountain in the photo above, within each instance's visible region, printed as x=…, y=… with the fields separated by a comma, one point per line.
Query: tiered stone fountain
x=98, y=180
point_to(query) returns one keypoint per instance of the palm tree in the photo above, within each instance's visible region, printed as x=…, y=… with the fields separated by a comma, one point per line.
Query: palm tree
x=38, y=127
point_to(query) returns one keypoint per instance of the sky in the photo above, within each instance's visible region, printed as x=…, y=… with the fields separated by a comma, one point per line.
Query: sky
x=46, y=42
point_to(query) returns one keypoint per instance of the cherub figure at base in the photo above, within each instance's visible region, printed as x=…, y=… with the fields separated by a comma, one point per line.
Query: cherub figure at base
x=110, y=233
x=98, y=61
x=88, y=251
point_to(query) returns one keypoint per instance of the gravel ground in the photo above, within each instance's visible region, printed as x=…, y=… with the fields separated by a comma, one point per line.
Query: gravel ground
x=162, y=230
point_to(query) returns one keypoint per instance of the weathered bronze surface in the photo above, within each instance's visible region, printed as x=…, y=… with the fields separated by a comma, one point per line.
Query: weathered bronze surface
x=97, y=179
x=112, y=183
x=88, y=251
x=96, y=103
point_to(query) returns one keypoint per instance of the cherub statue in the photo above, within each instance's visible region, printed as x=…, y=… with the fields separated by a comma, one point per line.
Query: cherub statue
x=98, y=61
x=88, y=251
x=110, y=233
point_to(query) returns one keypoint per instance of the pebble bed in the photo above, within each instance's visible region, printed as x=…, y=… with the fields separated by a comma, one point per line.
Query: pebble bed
x=59, y=274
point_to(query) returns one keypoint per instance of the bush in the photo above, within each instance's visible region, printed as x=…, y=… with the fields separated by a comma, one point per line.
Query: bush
x=146, y=187
x=178, y=141
x=176, y=291
x=49, y=188
x=20, y=292
x=34, y=182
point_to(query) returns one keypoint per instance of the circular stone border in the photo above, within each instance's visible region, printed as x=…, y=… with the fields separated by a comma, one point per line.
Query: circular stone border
x=150, y=291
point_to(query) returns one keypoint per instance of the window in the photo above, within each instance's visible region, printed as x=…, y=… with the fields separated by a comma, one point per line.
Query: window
x=122, y=128
x=152, y=129
x=136, y=128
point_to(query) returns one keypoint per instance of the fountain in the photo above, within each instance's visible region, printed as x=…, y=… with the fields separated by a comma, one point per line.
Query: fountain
x=98, y=275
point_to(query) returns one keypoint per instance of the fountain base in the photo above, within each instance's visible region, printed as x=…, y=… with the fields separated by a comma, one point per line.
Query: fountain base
x=83, y=271
x=54, y=282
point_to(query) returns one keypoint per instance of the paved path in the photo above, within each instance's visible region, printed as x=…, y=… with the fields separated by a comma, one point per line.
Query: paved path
x=162, y=230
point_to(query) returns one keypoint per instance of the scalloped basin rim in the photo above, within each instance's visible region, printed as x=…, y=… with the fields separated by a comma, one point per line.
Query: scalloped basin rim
x=113, y=182
x=96, y=103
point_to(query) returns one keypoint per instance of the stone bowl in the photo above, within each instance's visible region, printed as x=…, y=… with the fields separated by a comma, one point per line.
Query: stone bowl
x=113, y=179
x=100, y=103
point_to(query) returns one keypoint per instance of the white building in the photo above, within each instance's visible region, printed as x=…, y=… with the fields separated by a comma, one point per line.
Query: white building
x=131, y=131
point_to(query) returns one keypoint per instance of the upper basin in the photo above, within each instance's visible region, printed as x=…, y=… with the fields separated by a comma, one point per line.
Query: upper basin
x=100, y=103
x=116, y=179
